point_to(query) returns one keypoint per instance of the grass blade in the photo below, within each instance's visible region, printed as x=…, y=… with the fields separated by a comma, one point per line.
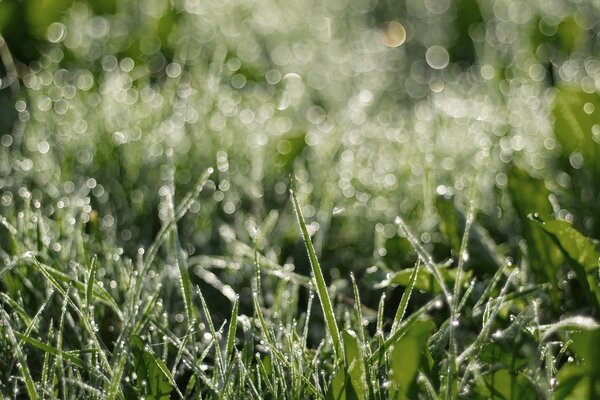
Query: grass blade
x=89, y=292
x=401, y=330
x=180, y=211
x=320, y=282
x=406, y=296
x=23, y=368
x=232, y=330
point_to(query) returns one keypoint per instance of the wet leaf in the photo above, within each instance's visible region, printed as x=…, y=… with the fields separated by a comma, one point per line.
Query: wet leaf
x=407, y=357
x=152, y=370
x=581, y=253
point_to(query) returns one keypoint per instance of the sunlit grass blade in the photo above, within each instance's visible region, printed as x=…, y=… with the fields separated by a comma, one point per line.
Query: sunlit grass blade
x=380, y=314
x=406, y=296
x=17, y=307
x=185, y=281
x=23, y=368
x=85, y=322
x=426, y=258
x=232, y=330
x=179, y=212
x=214, y=281
x=46, y=365
x=320, y=281
x=483, y=335
x=46, y=348
x=451, y=383
x=113, y=386
x=55, y=276
x=273, y=346
x=89, y=292
x=147, y=312
x=218, y=357
x=401, y=330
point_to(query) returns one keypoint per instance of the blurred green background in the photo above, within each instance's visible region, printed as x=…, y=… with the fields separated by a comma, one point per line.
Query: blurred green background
x=375, y=108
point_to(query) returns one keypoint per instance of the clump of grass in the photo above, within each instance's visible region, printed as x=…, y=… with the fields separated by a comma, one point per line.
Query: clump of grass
x=139, y=337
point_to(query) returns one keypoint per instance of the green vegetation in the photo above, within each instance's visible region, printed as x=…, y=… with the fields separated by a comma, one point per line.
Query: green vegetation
x=349, y=199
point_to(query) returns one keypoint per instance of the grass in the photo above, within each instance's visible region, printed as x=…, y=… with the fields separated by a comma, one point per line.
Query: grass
x=339, y=200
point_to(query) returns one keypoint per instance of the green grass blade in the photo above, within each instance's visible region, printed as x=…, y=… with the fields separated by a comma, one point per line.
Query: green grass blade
x=207, y=315
x=147, y=311
x=426, y=258
x=320, y=282
x=232, y=330
x=401, y=330
x=180, y=211
x=184, y=275
x=380, y=315
x=113, y=386
x=406, y=296
x=23, y=368
x=89, y=292
x=17, y=307
x=355, y=363
x=46, y=348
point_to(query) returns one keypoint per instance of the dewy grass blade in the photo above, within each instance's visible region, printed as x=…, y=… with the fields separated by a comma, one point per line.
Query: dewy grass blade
x=89, y=292
x=29, y=383
x=46, y=348
x=180, y=211
x=406, y=296
x=402, y=329
x=451, y=386
x=113, y=387
x=320, y=282
x=185, y=280
x=426, y=258
x=219, y=359
x=232, y=330
x=273, y=346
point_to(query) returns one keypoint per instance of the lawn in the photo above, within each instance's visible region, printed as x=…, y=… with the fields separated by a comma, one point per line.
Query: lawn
x=347, y=199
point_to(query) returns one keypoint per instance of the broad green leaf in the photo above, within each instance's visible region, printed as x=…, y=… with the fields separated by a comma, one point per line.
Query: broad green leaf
x=575, y=384
x=530, y=196
x=586, y=347
x=154, y=379
x=355, y=363
x=406, y=357
x=504, y=384
x=341, y=387
x=581, y=253
x=581, y=380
